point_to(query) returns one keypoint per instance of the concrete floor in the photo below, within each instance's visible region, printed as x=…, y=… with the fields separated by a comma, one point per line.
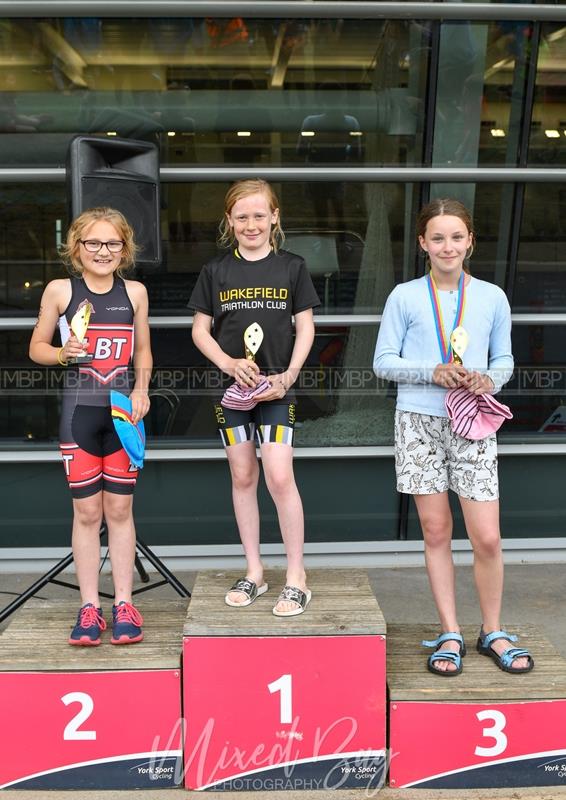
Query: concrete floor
x=551, y=793
x=534, y=594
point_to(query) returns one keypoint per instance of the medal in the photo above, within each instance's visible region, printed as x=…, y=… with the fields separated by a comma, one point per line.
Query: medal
x=459, y=342
x=448, y=352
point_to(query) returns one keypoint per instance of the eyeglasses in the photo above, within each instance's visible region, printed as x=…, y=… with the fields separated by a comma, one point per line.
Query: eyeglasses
x=93, y=245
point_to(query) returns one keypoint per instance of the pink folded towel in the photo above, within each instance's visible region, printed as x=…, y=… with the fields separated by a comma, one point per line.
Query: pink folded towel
x=242, y=399
x=475, y=416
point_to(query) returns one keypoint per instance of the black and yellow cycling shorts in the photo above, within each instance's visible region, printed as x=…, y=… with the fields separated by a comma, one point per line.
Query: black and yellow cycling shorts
x=266, y=422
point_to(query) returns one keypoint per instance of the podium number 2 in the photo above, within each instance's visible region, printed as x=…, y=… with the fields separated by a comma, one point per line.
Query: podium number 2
x=283, y=685
x=494, y=732
x=72, y=732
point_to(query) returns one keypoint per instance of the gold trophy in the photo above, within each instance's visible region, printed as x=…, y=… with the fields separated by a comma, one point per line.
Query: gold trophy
x=459, y=341
x=253, y=337
x=79, y=326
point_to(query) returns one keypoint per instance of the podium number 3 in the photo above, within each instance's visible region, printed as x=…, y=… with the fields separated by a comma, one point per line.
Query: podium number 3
x=72, y=732
x=494, y=732
x=283, y=685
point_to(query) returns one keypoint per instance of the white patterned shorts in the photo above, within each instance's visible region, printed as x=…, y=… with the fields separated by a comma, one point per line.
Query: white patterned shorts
x=430, y=459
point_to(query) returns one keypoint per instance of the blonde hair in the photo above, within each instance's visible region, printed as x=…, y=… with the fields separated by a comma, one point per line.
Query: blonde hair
x=452, y=208
x=238, y=191
x=70, y=250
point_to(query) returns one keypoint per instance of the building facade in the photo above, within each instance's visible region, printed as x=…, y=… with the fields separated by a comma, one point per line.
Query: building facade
x=358, y=113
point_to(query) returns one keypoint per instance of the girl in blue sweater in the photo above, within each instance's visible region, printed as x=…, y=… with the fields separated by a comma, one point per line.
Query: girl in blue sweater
x=413, y=349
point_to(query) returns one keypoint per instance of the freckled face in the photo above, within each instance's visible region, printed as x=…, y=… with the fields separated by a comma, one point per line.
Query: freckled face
x=251, y=219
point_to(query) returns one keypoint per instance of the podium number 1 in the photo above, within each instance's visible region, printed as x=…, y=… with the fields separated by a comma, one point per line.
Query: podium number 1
x=283, y=685
x=494, y=732
x=72, y=732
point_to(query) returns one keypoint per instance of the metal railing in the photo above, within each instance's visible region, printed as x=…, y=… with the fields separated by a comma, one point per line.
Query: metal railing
x=276, y=9
x=286, y=174
x=326, y=321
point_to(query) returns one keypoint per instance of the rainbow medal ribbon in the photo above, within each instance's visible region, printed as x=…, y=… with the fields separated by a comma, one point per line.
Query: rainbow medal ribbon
x=452, y=347
x=132, y=437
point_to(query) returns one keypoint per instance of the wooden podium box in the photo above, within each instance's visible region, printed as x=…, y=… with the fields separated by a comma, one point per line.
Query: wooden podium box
x=285, y=703
x=482, y=729
x=106, y=717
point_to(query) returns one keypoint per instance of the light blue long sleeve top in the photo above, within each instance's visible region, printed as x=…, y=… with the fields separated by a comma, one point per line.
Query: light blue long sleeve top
x=407, y=349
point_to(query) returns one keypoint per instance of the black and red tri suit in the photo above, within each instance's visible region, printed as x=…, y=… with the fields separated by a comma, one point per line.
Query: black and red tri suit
x=92, y=453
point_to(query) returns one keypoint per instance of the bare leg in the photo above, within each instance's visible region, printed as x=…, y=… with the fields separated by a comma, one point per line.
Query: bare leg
x=245, y=475
x=121, y=542
x=482, y=525
x=277, y=460
x=86, y=545
x=436, y=523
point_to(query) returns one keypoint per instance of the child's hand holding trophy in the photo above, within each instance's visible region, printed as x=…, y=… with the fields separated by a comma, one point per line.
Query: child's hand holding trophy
x=249, y=381
x=79, y=327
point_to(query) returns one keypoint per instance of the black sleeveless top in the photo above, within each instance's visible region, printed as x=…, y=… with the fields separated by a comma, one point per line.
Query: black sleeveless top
x=110, y=338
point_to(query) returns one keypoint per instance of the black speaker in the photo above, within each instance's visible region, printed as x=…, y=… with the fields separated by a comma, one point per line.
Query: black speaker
x=122, y=174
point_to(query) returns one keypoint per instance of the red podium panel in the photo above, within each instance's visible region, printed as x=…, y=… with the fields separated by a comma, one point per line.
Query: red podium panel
x=478, y=745
x=483, y=729
x=90, y=730
x=284, y=713
x=285, y=704
x=90, y=717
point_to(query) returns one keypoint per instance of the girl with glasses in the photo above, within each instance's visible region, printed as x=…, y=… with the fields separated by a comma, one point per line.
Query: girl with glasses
x=99, y=251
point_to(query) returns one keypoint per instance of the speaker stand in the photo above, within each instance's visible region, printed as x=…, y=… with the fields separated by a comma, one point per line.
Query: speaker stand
x=51, y=577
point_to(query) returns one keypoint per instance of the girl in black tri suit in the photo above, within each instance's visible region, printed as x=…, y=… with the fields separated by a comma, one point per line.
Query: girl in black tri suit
x=92, y=454
x=255, y=282
x=99, y=249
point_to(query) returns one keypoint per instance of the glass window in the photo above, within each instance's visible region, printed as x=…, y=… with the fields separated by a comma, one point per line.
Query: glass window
x=540, y=284
x=358, y=240
x=354, y=238
x=548, y=126
x=356, y=247
x=480, y=89
x=337, y=393
x=285, y=92
x=537, y=392
x=29, y=394
x=216, y=91
x=31, y=224
x=356, y=228
x=354, y=268
x=340, y=401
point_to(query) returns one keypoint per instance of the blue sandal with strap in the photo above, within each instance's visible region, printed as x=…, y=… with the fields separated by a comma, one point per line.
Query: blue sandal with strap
x=446, y=655
x=505, y=660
